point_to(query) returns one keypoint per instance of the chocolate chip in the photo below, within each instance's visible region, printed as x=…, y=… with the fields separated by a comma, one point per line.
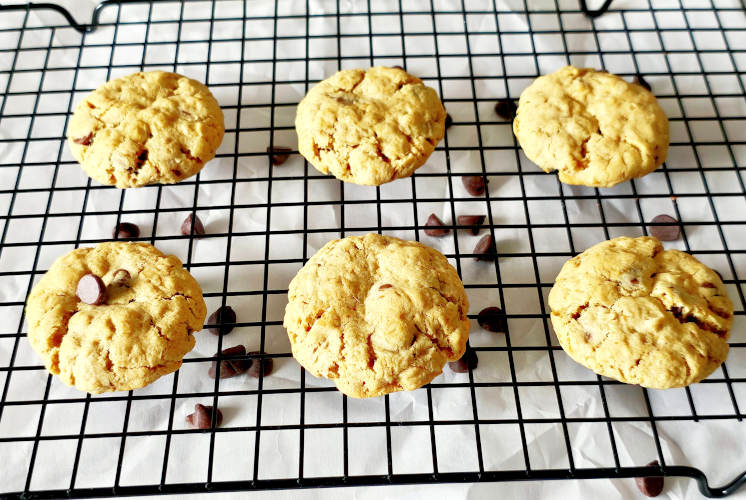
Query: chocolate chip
x=670, y=232
x=398, y=67
x=202, y=417
x=186, y=226
x=384, y=286
x=231, y=367
x=639, y=80
x=468, y=360
x=434, y=222
x=260, y=365
x=474, y=184
x=506, y=108
x=85, y=140
x=126, y=230
x=475, y=221
x=449, y=121
x=485, y=248
x=223, y=320
x=492, y=319
x=278, y=154
x=142, y=157
x=91, y=289
x=120, y=278
x=651, y=486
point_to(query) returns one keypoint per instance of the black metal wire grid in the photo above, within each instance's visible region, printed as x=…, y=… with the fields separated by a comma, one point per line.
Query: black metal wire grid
x=500, y=421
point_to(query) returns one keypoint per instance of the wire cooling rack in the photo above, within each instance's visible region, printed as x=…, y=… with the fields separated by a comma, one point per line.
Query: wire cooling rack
x=300, y=431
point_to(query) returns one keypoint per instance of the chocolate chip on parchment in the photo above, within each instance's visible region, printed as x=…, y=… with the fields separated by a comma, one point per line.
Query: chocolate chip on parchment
x=91, y=289
x=120, y=278
x=449, y=121
x=260, y=365
x=506, y=108
x=192, y=220
x=492, y=319
x=639, y=80
x=223, y=320
x=475, y=221
x=126, y=230
x=202, y=417
x=485, y=248
x=85, y=140
x=474, y=184
x=278, y=154
x=468, y=360
x=670, y=232
x=651, y=486
x=434, y=223
x=231, y=367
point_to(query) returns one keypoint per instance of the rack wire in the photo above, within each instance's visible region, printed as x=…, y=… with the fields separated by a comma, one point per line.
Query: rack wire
x=693, y=53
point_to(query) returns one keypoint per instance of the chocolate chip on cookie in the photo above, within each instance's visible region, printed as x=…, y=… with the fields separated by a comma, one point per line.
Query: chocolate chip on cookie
x=223, y=319
x=670, y=232
x=278, y=154
x=492, y=319
x=485, y=248
x=202, y=417
x=231, y=367
x=468, y=361
x=85, y=140
x=475, y=221
x=126, y=230
x=91, y=289
x=192, y=220
x=120, y=278
x=506, y=108
x=259, y=366
x=650, y=486
x=474, y=184
x=434, y=225
x=449, y=121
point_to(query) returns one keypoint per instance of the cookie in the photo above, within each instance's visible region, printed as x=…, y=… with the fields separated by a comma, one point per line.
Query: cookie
x=141, y=330
x=630, y=310
x=369, y=127
x=593, y=127
x=376, y=314
x=145, y=128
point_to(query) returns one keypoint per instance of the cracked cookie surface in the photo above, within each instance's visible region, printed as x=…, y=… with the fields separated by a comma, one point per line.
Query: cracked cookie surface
x=630, y=310
x=593, y=127
x=376, y=314
x=369, y=127
x=145, y=128
x=142, y=330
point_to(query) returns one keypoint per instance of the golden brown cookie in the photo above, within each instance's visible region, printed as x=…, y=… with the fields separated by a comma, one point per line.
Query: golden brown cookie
x=145, y=128
x=369, y=127
x=141, y=330
x=630, y=310
x=593, y=127
x=376, y=314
